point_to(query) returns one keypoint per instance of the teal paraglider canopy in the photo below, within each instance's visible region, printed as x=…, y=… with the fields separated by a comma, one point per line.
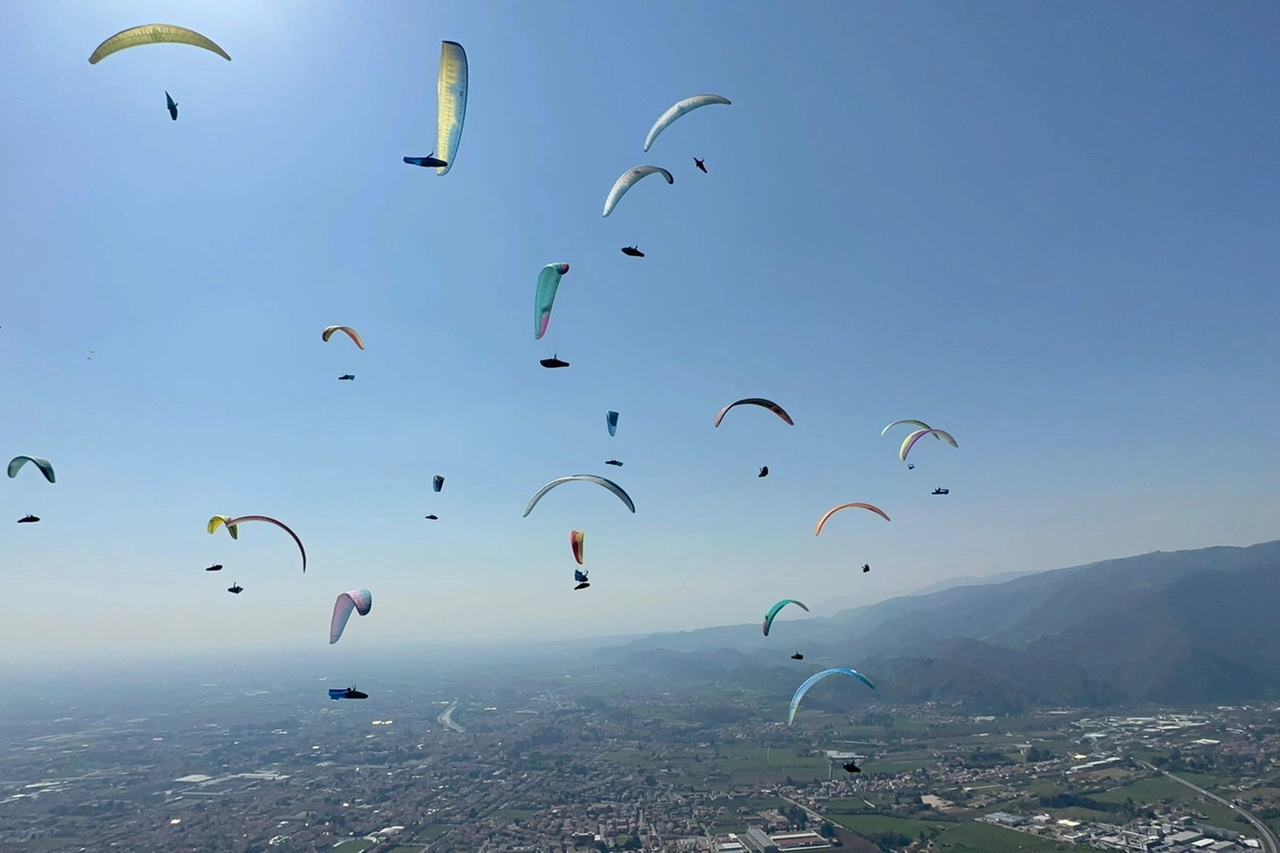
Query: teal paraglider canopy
x=773, y=611
x=16, y=463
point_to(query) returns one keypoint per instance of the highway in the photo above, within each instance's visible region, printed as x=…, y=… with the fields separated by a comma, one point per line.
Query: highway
x=447, y=719
x=1268, y=838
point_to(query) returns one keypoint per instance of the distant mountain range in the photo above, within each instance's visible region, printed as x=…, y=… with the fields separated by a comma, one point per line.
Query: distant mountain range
x=1180, y=628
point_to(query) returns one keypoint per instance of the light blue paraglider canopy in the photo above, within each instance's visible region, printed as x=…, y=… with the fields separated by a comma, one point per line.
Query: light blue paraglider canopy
x=814, y=679
x=590, y=478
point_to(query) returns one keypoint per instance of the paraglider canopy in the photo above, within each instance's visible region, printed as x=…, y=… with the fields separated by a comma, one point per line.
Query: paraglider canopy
x=629, y=179
x=678, y=109
x=154, y=34
x=357, y=600
x=834, y=510
x=911, y=440
x=576, y=538
x=437, y=483
x=814, y=679
x=773, y=611
x=232, y=523
x=16, y=463
x=588, y=478
x=552, y=362
x=756, y=401
x=451, y=107
x=912, y=421
x=350, y=332
x=544, y=297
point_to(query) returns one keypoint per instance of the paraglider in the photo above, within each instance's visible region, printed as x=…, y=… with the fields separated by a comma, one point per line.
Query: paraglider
x=588, y=478
x=756, y=401
x=814, y=679
x=580, y=577
x=235, y=589
x=678, y=109
x=700, y=165
x=632, y=251
x=16, y=463
x=611, y=422
x=912, y=421
x=431, y=161
x=613, y=462
x=350, y=332
x=451, y=108
x=941, y=491
x=773, y=611
x=866, y=567
x=336, y=693
x=432, y=517
x=357, y=600
x=543, y=298
x=850, y=767
x=347, y=377
x=154, y=34
x=233, y=523
x=437, y=483
x=575, y=543
x=764, y=471
x=910, y=440
x=552, y=362
x=797, y=656
x=216, y=567
x=834, y=510
x=172, y=106
x=628, y=180
x=29, y=519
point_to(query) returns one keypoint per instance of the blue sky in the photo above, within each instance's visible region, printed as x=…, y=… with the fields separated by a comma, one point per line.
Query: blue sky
x=1047, y=228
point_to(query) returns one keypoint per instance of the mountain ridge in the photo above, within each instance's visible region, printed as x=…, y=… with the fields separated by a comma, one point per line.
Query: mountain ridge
x=1180, y=627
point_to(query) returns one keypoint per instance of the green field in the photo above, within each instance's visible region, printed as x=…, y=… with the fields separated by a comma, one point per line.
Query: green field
x=974, y=837
x=1151, y=790
x=510, y=814
x=1157, y=788
x=431, y=833
x=747, y=765
x=873, y=823
x=353, y=845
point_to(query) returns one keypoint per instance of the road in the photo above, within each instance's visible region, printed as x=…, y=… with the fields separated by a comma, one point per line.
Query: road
x=1269, y=842
x=447, y=719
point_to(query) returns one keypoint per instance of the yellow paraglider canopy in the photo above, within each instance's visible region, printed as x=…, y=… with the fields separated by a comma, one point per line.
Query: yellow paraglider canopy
x=219, y=520
x=154, y=34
